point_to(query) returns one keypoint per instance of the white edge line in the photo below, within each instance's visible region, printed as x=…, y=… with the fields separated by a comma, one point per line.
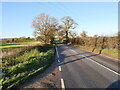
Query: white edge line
x=103, y=66
x=59, y=68
x=100, y=64
x=73, y=51
x=62, y=84
x=57, y=52
x=116, y=60
x=59, y=61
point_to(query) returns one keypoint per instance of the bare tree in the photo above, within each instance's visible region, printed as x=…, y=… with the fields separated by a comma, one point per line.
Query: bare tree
x=84, y=37
x=45, y=27
x=68, y=24
x=83, y=34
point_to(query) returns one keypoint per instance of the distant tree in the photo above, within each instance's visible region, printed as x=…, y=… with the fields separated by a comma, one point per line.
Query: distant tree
x=84, y=37
x=83, y=34
x=13, y=39
x=7, y=41
x=68, y=24
x=28, y=37
x=45, y=27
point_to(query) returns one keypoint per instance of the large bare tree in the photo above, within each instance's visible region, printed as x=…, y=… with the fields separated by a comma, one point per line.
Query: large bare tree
x=68, y=24
x=45, y=27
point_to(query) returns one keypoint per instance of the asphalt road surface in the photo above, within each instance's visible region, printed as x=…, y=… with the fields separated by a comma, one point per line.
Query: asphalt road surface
x=83, y=69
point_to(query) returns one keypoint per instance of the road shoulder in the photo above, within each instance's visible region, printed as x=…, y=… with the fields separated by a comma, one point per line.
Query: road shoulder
x=48, y=79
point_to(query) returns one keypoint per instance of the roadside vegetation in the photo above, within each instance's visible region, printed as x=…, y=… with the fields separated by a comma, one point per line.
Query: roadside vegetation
x=19, y=67
x=19, y=44
x=12, y=51
x=106, y=45
x=107, y=52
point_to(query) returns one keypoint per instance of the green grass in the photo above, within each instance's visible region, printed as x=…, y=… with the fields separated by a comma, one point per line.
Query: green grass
x=112, y=51
x=21, y=44
x=20, y=67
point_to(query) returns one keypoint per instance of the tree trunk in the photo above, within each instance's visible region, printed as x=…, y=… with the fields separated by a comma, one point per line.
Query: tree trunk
x=66, y=37
x=103, y=45
x=52, y=40
x=93, y=49
x=95, y=45
x=100, y=51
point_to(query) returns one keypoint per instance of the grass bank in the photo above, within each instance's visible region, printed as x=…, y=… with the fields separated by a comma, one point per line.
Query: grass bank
x=20, y=44
x=18, y=68
x=113, y=53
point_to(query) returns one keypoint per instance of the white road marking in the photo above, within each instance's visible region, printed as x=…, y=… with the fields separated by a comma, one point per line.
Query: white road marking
x=62, y=84
x=58, y=60
x=73, y=51
x=104, y=66
x=57, y=52
x=103, y=55
x=59, y=68
x=62, y=81
x=99, y=64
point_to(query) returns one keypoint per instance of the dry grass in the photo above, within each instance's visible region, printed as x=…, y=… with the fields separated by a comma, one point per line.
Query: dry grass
x=12, y=51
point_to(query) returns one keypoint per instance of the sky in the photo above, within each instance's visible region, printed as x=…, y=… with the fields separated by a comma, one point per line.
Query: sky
x=99, y=18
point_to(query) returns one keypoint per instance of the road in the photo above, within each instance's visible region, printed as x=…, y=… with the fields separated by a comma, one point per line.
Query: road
x=83, y=69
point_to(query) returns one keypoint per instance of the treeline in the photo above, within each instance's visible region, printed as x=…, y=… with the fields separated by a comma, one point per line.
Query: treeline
x=101, y=42
x=11, y=40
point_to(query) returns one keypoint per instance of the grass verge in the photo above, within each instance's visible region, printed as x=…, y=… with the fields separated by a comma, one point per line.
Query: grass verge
x=19, y=68
x=113, y=53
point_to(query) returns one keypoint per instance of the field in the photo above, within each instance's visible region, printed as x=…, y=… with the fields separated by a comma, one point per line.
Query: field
x=17, y=68
x=21, y=44
x=22, y=60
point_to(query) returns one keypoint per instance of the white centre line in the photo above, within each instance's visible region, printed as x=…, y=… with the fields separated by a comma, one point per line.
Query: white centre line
x=62, y=84
x=60, y=68
x=99, y=64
